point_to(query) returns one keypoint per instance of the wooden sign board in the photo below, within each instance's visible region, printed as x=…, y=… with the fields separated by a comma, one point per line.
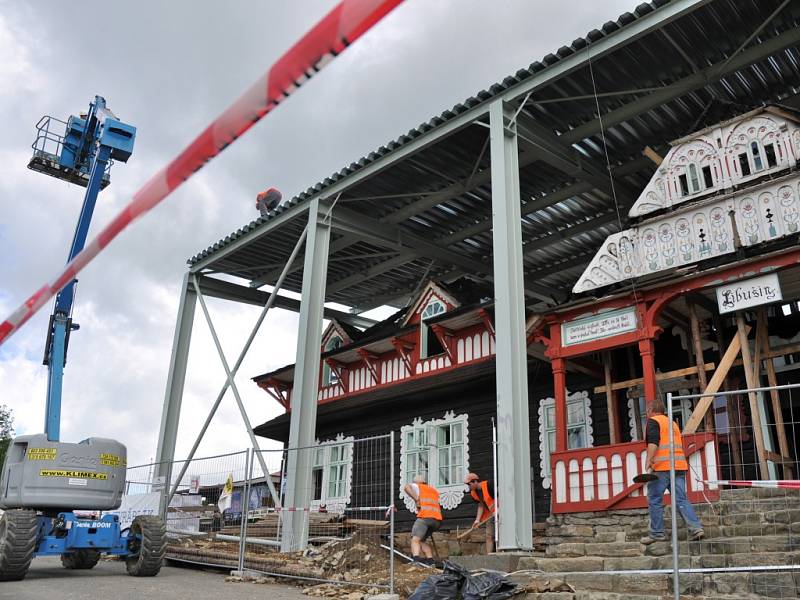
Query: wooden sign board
x=595, y=327
x=748, y=293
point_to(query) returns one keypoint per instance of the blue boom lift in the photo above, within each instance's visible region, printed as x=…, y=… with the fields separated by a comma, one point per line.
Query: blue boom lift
x=43, y=480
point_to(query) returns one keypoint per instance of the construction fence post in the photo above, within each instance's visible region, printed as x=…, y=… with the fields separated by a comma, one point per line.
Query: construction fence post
x=390, y=504
x=673, y=504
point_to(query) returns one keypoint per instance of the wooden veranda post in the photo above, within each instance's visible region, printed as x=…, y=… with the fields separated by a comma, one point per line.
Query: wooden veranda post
x=755, y=413
x=698, y=357
x=762, y=332
x=611, y=401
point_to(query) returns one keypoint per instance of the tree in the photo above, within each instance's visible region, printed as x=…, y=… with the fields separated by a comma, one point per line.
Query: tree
x=6, y=431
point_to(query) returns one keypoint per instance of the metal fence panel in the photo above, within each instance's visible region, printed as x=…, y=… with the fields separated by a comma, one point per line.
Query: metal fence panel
x=198, y=532
x=347, y=528
x=752, y=534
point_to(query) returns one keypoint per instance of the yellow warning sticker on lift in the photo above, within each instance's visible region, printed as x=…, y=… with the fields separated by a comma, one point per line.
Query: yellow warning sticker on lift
x=111, y=460
x=42, y=453
x=77, y=474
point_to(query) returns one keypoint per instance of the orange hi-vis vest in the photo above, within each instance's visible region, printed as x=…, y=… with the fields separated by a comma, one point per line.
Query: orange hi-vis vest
x=429, y=503
x=487, y=497
x=661, y=459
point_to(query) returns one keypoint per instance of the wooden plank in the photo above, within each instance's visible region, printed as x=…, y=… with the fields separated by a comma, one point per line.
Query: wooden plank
x=772, y=381
x=611, y=400
x=713, y=386
x=755, y=412
x=366, y=522
x=694, y=324
x=621, y=385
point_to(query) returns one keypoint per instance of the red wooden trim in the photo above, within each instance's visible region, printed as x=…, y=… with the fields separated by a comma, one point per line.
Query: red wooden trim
x=487, y=322
x=279, y=390
x=341, y=370
x=404, y=349
x=693, y=444
x=368, y=358
x=445, y=337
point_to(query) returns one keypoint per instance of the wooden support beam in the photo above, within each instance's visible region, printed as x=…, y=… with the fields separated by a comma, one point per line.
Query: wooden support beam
x=713, y=386
x=772, y=381
x=403, y=349
x=611, y=401
x=731, y=406
x=341, y=370
x=445, y=337
x=697, y=343
x=621, y=385
x=652, y=155
x=369, y=360
x=637, y=413
x=755, y=413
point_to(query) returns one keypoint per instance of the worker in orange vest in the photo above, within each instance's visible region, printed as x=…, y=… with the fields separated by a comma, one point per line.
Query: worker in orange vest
x=481, y=492
x=657, y=437
x=429, y=517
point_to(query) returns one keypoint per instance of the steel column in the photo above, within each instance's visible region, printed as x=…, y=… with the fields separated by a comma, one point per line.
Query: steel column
x=171, y=412
x=306, y=383
x=515, y=524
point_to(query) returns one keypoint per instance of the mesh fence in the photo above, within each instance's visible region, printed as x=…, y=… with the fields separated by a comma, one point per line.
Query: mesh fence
x=235, y=511
x=751, y=520
x=337, y=526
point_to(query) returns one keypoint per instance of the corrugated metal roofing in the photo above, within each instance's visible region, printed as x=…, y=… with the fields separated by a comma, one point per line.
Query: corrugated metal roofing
x=675, y=79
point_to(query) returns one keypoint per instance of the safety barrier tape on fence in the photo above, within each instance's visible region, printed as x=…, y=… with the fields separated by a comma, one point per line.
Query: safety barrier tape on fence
x=317, y=510
x=792, y=484
x=343, y=25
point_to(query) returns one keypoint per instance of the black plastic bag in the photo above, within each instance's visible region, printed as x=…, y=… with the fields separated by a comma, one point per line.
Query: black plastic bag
x=487, y=586
x=438, y=587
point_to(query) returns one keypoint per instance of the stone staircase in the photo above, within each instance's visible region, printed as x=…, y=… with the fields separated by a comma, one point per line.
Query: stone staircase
x=600, y=557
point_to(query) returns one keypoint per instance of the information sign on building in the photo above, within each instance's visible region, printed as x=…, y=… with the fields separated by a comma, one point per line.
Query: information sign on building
x=603, y=325
x=748, y=293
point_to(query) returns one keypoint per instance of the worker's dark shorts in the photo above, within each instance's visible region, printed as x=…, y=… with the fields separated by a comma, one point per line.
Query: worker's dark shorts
x=424, y=528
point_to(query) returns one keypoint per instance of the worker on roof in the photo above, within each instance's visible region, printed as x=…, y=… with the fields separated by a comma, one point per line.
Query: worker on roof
x=657, y=437
x=429, y=517
x=481, y=492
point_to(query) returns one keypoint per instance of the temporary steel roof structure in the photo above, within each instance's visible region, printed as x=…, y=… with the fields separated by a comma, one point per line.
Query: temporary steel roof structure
x=420, y=205
x=518, y=185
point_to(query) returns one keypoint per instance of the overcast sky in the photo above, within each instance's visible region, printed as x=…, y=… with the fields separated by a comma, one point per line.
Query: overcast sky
x=169, y=68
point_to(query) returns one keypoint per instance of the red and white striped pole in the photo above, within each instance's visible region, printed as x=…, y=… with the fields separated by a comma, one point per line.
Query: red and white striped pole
x=343, y=25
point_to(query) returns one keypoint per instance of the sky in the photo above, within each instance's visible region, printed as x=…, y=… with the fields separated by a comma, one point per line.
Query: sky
x=169, y=68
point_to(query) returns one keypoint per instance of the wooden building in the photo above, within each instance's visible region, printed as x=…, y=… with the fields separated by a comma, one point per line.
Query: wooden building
x=722, y=206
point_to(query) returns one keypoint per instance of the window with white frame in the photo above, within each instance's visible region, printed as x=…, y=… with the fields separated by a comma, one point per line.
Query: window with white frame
x=579, y=428
x=329, y=376
x=429, y=343
x=331, y=473
x=438, y=450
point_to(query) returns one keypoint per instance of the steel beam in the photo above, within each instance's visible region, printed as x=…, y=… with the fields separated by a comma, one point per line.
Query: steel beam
x=688, y=84
x=515, y=517
x=176, y=377
x=217, y=288
x=303, y=421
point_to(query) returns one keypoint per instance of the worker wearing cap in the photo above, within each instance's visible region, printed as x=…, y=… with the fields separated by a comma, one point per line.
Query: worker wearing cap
x=658, y=456
x=481, y=492
x=429, y=517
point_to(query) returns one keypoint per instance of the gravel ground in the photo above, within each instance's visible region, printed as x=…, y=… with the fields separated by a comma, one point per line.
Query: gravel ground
x=109, y=581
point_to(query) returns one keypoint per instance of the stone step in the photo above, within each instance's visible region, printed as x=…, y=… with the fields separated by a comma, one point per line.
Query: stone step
x=660, y=560
x=762, y=585
x=740, y=493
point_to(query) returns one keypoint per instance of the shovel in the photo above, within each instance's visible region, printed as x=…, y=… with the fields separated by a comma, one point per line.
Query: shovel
x=645, y=477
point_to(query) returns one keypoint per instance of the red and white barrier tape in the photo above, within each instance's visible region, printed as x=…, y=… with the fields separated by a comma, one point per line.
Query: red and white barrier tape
x=793, y=484
x=343, y=25
x=317, y=510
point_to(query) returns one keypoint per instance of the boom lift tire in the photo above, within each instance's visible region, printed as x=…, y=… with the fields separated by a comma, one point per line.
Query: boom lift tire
x=18, y=531
x=80, y=559
x=147, y=544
